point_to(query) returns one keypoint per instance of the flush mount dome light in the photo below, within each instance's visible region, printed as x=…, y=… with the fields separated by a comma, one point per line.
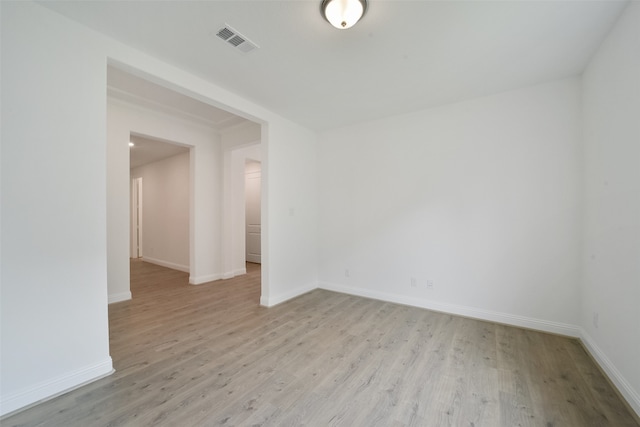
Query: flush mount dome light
x=343, y=14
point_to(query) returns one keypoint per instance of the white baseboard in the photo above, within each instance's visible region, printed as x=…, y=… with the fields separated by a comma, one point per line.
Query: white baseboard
x=46, y=390
x=626, y=390
x=122, y=296
x=198, y=280
x=234, y=273
x=168, y=264
x=476, y=313
x=279, y=299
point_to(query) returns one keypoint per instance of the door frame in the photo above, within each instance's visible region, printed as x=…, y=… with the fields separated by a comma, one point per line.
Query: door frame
x=136, y=217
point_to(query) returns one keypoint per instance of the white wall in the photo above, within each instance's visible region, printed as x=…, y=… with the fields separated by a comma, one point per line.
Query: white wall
x=480, y=198
x=165, y=214
x=54, y=272
x=239, y=136
x=118, y=206
x=54, y=198
x=290, y=208
x=611, y=258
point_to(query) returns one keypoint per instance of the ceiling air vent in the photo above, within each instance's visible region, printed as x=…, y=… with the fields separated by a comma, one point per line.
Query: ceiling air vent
x=236, y=39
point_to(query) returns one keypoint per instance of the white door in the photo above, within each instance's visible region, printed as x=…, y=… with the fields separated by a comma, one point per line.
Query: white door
x=252, y=188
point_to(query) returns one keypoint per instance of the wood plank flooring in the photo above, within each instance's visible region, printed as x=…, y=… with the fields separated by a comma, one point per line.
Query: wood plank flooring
x=209, y=355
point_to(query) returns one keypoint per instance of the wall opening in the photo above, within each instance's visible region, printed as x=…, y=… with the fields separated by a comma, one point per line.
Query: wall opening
x=160, y=173
x=141, y=107
x=253, y=222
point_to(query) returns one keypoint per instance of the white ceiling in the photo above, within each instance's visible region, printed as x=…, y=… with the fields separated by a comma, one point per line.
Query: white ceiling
x=402, y=56
x=148, y=150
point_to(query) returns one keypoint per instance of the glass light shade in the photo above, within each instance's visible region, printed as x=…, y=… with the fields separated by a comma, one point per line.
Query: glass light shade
x=343, y=14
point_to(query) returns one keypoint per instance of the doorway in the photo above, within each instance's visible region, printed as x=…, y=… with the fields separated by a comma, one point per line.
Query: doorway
x=160, y=173
x=253, y=224
x=136, y=217
x=138, y=106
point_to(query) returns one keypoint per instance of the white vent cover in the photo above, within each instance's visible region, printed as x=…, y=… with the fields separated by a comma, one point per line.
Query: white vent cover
x=236, y=39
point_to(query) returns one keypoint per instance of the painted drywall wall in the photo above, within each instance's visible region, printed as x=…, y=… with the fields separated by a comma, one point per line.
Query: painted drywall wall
x=471, y=208
x=611, y=258
x=118, y=195
x=165, y=214
x=290, y=208
x=239, y=136
x=54, y=198
x=54, y=282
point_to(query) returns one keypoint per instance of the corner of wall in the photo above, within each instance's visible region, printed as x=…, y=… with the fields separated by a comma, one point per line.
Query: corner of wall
x=54, y=387
x=119, y=297
x=294, y=293
x=615, y=376
x=459, y=310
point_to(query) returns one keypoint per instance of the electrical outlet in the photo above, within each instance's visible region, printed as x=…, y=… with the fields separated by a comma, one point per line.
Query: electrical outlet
x=430, y=284
x=347, y=273
x=596, y=320
x=414, y=282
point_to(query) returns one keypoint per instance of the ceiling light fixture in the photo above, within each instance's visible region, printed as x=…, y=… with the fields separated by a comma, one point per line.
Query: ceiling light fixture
x=343, y=14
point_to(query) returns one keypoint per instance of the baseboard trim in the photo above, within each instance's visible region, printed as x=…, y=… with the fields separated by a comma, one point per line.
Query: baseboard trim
x=624, y=388
x=168, y=264
x=46, y=390
x=279, y=299
x=122, y=296
x=199, y=280
x=234, y=273
x=475, y=313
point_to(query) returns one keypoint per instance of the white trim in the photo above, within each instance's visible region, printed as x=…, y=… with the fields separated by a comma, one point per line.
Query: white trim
x=172, y=265
x=204, y=279
x=631, y=396
x=271, y=301
x=476, y=313
x=122, y=296
x=234, y=273
x=46, y=390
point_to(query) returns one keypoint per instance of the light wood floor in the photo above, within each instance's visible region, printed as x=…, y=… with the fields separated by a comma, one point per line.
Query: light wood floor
x=210, y=355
